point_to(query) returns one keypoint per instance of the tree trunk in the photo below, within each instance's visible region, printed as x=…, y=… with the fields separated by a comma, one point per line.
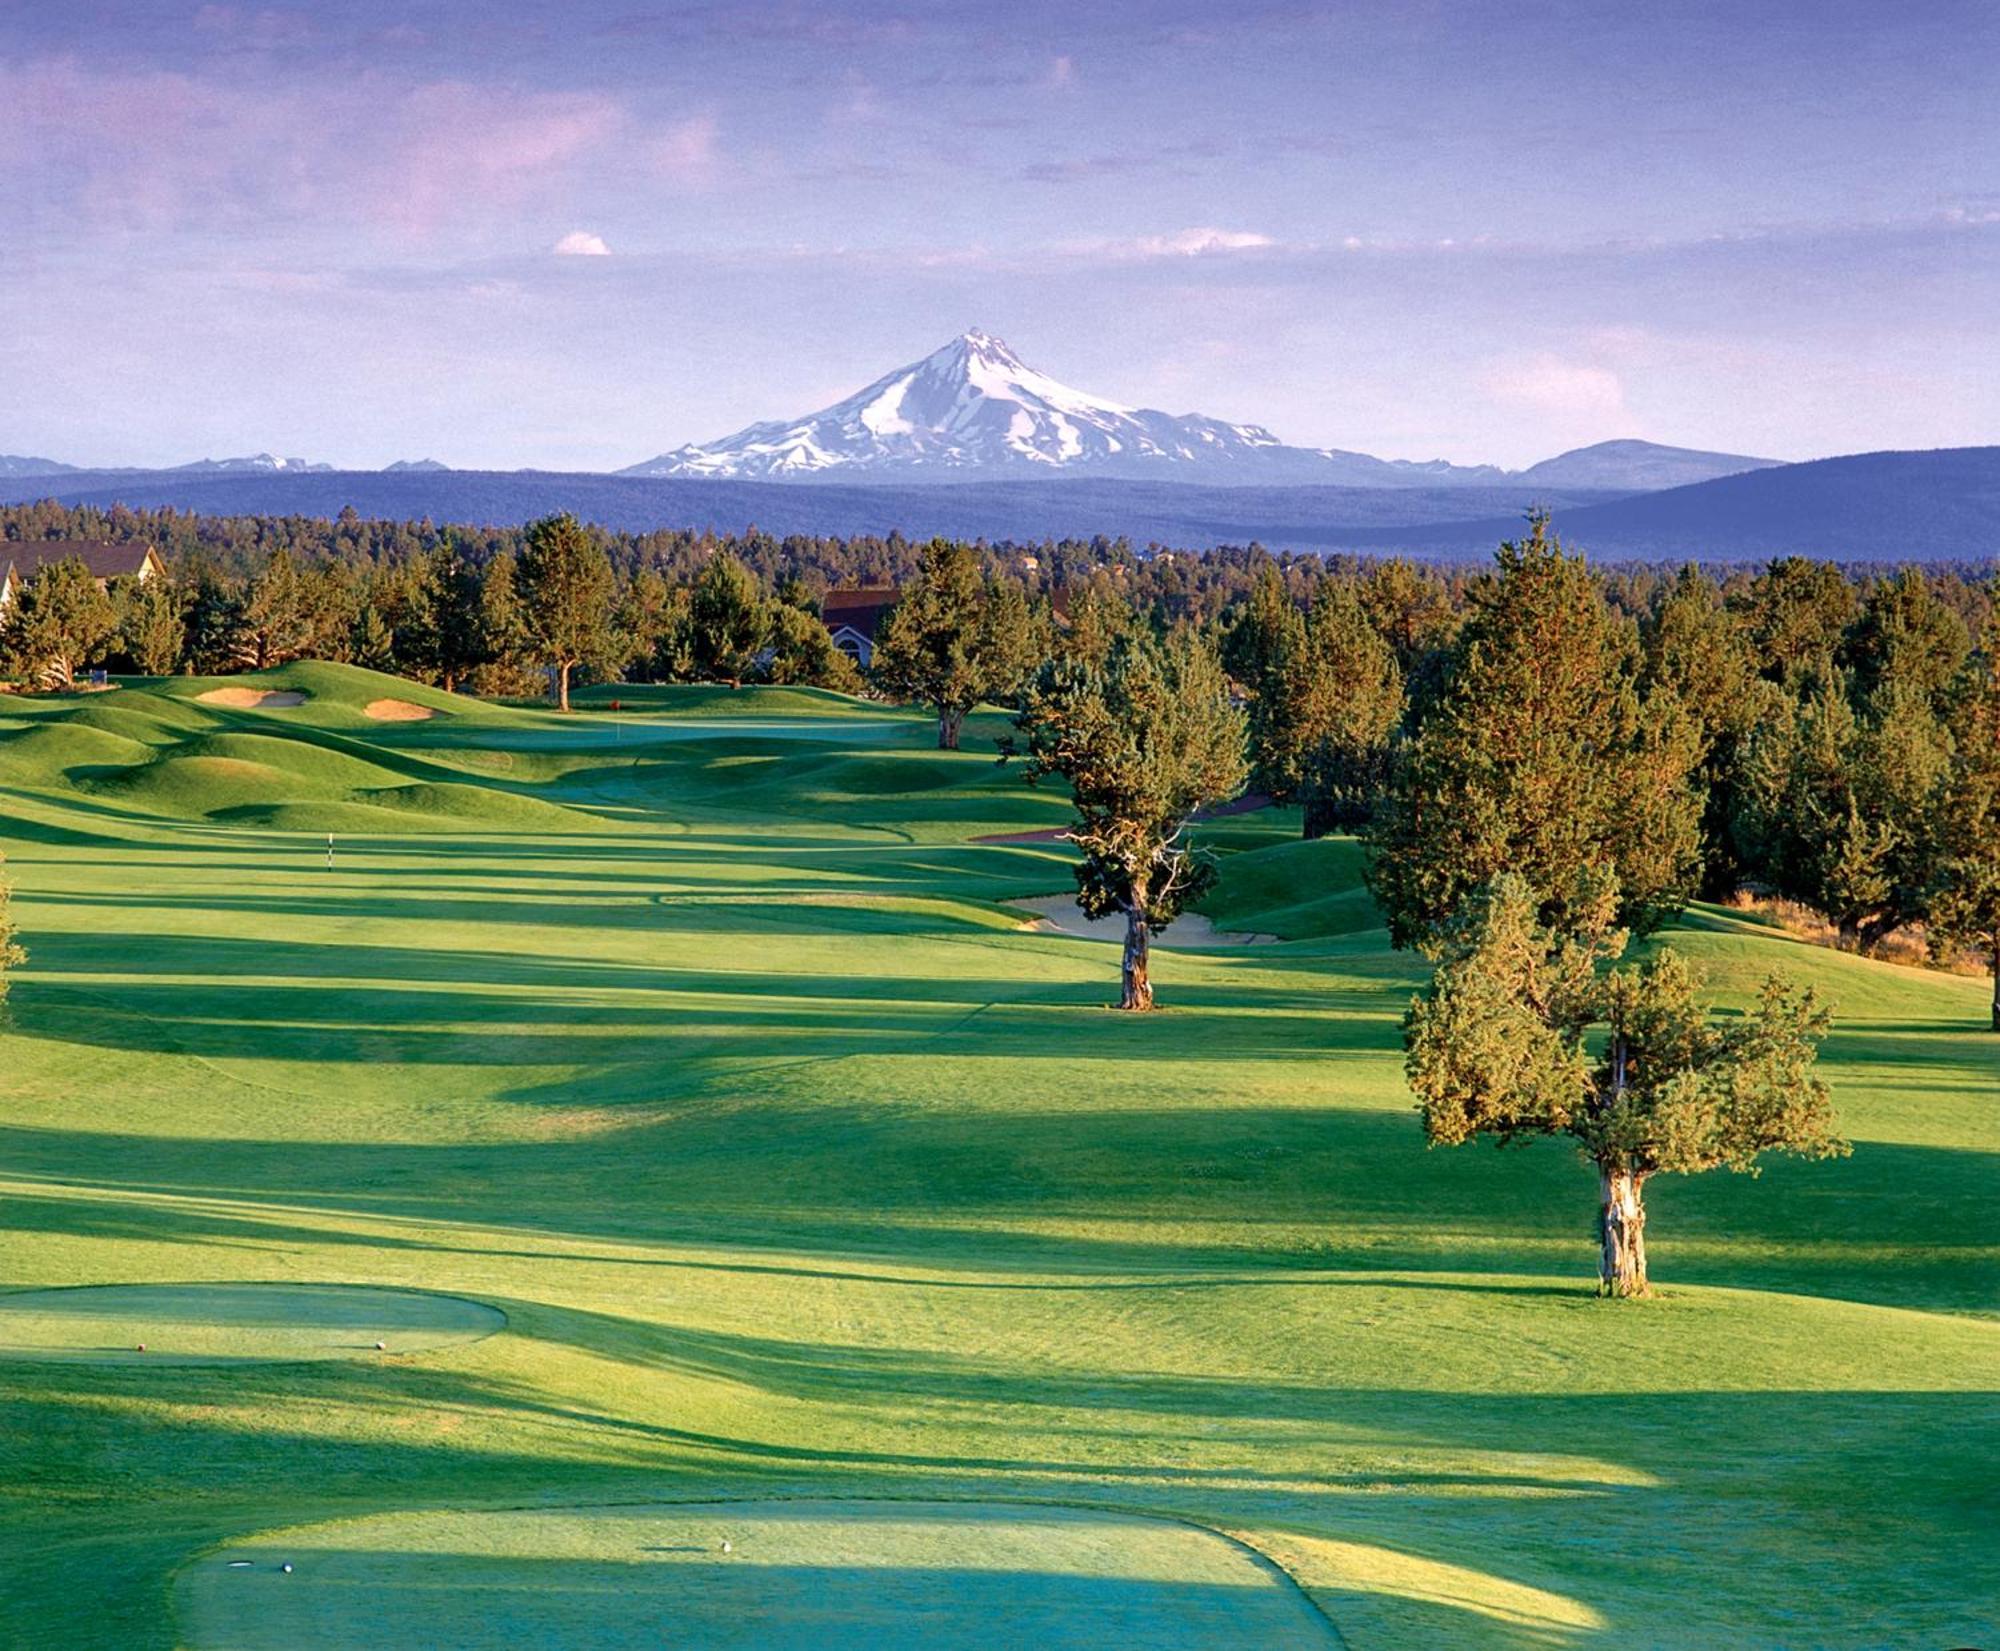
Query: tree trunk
x=1996, y=980
x=1621, y=1225
x=1138, y=993
x=1322, y=818
x=949, y=723
x=562, y=686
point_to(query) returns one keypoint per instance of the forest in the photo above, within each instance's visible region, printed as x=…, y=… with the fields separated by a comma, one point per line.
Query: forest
x=1822, y=738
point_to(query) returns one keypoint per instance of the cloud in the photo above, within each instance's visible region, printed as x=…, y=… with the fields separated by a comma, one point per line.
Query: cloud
x=1062, y=72
x=1558, y=389
x=580, y=243
x=1195, y=243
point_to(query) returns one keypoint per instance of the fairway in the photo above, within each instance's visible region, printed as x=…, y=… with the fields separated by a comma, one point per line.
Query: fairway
x=233, y=1323
x=702, y=1050
x=810, y=1576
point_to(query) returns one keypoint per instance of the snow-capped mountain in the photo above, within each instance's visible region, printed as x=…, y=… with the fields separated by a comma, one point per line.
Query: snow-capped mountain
x=255, y=463
x=22, y=464
x=975, y=409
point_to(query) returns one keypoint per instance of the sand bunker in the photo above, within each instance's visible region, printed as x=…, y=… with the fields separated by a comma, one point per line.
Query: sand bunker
x=1059, y=914
x=397, y=710
x=253, y=699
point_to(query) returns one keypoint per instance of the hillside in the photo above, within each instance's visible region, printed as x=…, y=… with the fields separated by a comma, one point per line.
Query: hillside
x=1942, y=505
x=685, y=1142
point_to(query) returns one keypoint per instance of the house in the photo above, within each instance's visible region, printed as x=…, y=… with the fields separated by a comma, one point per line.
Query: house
x=851, y=616
x=21, y=560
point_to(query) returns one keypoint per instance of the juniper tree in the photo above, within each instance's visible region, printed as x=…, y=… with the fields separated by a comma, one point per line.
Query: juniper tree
x=1507, y=1043
x=1964, y=907
x=955, y=638
x=1144, y=741
x=58, y=624
x=564, y=583
x=1541, y=756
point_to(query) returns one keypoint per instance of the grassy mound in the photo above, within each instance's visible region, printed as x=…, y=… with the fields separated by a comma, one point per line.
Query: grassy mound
x=1294, y=889
x=232, y=1323
x=799, y=1576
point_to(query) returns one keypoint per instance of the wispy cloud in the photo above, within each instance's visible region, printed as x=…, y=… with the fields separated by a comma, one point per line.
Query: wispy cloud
x=1198, y=243
x=580, y=243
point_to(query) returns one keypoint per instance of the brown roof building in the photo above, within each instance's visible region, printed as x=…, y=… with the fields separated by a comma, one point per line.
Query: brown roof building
x=852, y=616
x=21, y=560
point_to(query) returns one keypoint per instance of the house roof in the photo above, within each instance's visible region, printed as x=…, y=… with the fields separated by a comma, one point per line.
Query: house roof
x=105, y=560
x=860, y=609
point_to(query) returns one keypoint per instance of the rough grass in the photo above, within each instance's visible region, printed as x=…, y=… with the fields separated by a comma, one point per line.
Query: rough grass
x=799, y=1171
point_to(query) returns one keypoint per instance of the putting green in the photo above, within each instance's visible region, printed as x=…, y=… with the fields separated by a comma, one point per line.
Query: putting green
x=800, y=1576
x=233, y=1323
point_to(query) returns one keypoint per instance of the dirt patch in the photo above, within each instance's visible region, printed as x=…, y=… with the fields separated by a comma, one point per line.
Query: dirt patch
x=397, y=710
x=1060, y=914
x=253, y=699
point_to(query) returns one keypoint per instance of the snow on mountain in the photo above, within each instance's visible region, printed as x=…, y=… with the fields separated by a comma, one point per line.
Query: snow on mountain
x=21, y=464
x=259, y=463
x=975, y=409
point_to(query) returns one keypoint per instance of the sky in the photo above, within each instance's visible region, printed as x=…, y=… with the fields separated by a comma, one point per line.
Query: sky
x=574, y=235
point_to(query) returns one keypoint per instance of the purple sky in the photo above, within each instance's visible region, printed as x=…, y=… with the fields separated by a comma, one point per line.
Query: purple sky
x=575, y=235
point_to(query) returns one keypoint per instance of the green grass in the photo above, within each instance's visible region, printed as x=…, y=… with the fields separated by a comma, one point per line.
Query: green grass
x=944, y=1576
x=703, y=1048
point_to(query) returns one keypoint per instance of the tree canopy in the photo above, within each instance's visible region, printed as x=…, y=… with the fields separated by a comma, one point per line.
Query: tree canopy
x=954, y=638
x=1144, y=741
x=565, y=586
x=1543, y=756
x=1501, y=1045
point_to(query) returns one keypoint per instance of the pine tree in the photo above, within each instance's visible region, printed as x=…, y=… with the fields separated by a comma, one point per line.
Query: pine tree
x=1696, y=652
x=729, y=620
x=1143, y=741
x=1964, y=907
x=954, y=639
x=1839, y=809
x=277, y=621
x=1322, y=718
x=1502, y=1045
x=1542, y=757
x=152, y=615
x=565, y=588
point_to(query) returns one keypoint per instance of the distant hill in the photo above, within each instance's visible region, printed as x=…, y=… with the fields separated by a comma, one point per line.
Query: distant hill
x=20, y=464
x=1941, y=505
x=1637, y=467
x=1171, y=513
x=1909, y=506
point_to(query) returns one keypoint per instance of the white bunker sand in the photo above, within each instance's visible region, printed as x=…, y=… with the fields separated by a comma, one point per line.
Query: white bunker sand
x=1060, y=914
x=397, y=710
x=253, y=699
x=798, y=1576
x=233, y=1323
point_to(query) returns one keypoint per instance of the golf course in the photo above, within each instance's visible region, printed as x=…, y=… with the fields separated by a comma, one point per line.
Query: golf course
x=475, y=1176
